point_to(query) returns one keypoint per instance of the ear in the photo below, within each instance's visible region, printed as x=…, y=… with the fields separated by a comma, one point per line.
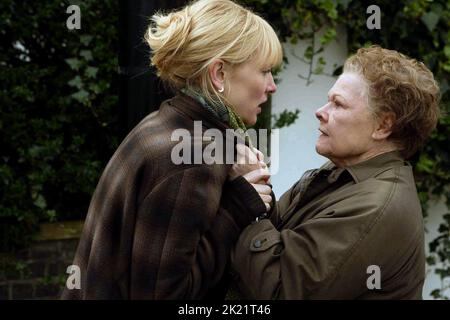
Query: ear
x=384, y=126
x=217, y=73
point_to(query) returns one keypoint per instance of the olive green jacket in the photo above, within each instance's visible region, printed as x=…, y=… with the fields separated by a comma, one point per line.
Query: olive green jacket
x=338, y=233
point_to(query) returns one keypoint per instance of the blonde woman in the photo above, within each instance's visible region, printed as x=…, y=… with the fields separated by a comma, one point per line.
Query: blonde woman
x=157, y=229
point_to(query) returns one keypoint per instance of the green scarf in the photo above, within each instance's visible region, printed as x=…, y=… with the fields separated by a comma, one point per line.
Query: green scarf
x=220, y=110
x=223, y=112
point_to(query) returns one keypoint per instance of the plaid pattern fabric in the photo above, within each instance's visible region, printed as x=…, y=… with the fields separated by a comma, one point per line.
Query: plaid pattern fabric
x=156, y=230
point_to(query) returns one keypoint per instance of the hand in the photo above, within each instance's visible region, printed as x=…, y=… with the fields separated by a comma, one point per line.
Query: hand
x=247, y=160
x=254, y=178
x=260, y=157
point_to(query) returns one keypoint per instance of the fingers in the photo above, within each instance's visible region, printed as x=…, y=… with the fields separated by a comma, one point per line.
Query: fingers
x=264, y=192
x=259, y=154
x=245, y=155
x=251, y=165
x=266, y=198
x=241, y=170
x=248, y=160
x=262, y=189
x=257, y=175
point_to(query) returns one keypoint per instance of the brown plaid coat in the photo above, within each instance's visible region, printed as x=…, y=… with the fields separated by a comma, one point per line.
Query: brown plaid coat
x=156, y=230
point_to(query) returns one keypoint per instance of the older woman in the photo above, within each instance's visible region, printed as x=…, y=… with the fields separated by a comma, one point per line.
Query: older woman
x=158, y=228
x=353, y=228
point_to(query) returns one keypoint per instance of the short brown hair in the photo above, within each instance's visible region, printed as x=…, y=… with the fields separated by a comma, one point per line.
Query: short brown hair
x=403, y=86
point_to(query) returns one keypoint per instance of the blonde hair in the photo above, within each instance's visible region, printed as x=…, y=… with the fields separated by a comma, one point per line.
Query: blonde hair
x=185, y=42
x=402, y=86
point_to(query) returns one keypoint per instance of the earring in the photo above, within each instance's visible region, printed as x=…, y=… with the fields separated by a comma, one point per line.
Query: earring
x=221, y=89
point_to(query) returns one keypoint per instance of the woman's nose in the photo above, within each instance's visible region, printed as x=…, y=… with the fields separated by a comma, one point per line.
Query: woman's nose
x=322, y=114
x=272, y=87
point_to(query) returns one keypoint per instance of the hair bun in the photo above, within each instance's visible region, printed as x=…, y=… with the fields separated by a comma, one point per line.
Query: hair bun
x=185, y=42
x=167, y=36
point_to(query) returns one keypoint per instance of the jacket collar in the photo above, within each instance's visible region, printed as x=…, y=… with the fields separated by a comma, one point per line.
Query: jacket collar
x=193, y=109
x=366, y=169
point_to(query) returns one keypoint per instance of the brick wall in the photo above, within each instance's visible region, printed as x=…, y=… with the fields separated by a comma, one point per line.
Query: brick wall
x=38, y=272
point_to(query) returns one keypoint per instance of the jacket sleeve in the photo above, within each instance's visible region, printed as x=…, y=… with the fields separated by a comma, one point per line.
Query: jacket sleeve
x=280, y=265
x=185, y=231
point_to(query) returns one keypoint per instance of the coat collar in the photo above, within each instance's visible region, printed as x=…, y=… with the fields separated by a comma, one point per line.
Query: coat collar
x=193, y=109
x=366, y=169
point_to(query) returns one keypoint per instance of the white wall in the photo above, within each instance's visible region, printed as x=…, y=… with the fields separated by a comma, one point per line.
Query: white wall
x=432, y=222
x=296, y=143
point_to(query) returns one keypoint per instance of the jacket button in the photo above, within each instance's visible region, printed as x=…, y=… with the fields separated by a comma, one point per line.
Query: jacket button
x=257, y=244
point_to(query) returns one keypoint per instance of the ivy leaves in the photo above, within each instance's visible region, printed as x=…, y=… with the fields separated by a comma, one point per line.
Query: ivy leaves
x=84, y=81
x=58, y=106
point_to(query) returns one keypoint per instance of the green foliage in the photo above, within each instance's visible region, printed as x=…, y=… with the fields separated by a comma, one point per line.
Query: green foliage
x=13, y=268
x=418, y=28
x=314, y=21
x=57, y=105
x=285, y=118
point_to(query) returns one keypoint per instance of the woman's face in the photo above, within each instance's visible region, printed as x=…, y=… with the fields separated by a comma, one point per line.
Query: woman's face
x=248, y=87
x=346, y=124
